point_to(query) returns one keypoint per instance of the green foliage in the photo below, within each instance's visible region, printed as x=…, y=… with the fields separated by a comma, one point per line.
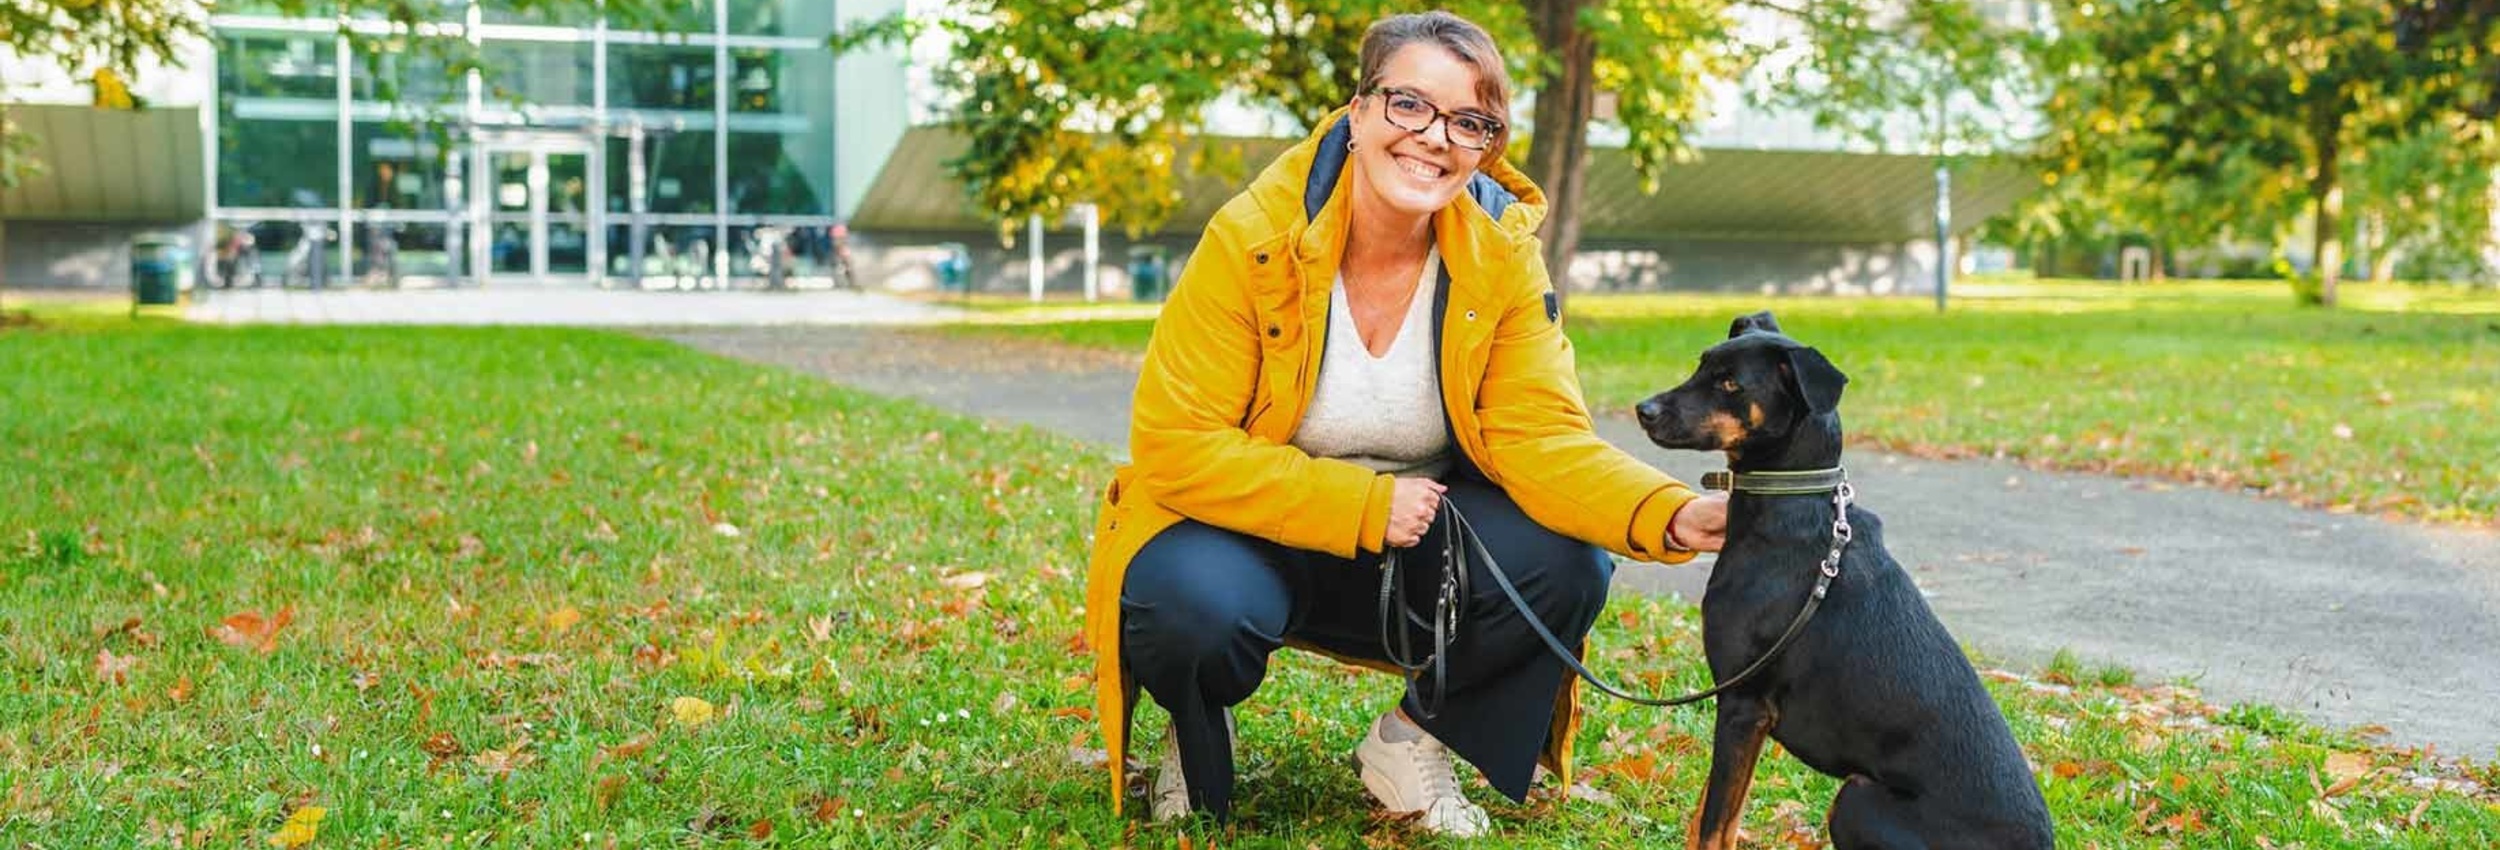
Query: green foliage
x=2206, y=120
x=1066, y=102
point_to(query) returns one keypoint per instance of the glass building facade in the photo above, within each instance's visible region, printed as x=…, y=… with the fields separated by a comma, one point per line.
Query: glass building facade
x=703, y=154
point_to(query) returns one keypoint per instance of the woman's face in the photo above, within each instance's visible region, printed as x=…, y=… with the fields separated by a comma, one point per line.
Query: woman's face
x=1408, y=172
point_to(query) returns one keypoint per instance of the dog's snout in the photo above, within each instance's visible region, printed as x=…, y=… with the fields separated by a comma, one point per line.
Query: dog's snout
x=1650, y=410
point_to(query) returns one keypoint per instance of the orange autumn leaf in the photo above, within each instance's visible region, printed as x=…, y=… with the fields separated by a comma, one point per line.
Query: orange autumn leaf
x=564, y=619
x=252, y=629
x=114, y=668
x=1643, y=768
x=2342, y=766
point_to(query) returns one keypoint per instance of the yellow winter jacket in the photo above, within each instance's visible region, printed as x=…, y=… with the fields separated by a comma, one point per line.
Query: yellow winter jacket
x=1236, y=353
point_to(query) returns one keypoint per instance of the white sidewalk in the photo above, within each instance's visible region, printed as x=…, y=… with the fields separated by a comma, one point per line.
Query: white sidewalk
x=574, y=307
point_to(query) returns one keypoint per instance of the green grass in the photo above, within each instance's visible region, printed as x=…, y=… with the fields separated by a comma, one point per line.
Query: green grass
x=2382, y=406
x=510, y=563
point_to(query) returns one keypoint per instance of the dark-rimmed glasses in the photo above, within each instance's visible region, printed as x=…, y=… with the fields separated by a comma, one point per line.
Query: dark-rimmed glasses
x=1409, y=111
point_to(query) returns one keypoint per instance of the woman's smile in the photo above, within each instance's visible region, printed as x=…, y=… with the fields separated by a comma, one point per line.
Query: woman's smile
x=1421, y=170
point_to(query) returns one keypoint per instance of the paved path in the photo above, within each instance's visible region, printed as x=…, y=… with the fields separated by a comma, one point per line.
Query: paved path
x=558, y=306
x=2348, y=620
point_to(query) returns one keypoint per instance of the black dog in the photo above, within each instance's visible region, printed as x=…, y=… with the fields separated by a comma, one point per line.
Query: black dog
x=1872, y=689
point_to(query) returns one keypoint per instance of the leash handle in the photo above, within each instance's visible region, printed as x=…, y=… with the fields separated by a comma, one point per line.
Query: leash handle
x=1396, y=615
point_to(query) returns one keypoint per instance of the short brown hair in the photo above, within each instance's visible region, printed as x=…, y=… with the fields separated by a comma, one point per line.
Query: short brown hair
x=1462, y=38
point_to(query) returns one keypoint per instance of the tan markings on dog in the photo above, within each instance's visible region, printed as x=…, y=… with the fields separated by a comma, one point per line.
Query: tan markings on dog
x=1753, y=414
x=1731, y=432
x=1748, y=757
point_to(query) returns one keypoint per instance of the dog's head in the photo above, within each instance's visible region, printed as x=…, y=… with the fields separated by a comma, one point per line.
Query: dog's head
x=1757, y=389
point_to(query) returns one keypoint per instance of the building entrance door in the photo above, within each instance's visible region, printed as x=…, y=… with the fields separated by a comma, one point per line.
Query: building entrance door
x=538, y=198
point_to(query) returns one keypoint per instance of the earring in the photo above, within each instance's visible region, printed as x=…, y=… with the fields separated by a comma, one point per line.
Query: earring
x=1349, y=144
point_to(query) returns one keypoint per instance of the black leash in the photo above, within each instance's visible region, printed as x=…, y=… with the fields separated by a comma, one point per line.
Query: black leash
x=1396, y=614
x=1461, y=542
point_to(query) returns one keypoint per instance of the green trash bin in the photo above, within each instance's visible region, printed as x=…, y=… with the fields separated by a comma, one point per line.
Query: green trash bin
x=158, y=266
x=1147, y=274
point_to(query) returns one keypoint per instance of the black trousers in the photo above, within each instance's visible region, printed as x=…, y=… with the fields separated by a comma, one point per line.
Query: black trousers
x=1202, y=608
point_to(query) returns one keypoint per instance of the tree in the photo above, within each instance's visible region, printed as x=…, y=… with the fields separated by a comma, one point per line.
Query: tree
x=1065, y=102
x=2207, y=118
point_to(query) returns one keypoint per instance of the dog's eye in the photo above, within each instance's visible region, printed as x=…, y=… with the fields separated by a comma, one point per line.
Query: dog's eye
x=1729, y=385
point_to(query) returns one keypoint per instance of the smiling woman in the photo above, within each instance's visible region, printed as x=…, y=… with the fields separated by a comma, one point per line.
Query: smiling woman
x=1365, y=339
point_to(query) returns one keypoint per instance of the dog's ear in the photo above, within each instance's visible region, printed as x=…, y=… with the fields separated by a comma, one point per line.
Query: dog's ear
x=1815, y=379
x=1761, y=321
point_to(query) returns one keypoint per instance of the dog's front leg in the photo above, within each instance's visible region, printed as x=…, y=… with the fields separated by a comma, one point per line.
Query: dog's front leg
x=1743, y=723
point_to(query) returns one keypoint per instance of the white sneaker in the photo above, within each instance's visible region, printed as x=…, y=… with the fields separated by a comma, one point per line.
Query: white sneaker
x=1409, y=772
x=1169, y=796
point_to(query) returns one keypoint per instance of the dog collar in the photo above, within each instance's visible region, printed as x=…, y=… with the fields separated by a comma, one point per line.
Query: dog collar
x=1777, y=482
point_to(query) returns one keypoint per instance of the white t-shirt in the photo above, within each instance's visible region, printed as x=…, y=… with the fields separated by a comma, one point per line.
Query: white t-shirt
x=1381, y=412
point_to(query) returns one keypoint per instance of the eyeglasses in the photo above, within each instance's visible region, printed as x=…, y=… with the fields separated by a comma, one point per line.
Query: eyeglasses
x=1409, y=111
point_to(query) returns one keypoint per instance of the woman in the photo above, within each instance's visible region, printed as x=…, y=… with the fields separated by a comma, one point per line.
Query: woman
x=1367, y=331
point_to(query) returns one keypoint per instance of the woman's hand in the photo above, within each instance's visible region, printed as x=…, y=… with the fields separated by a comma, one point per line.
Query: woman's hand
x=1412, y=505
x=1701, y=525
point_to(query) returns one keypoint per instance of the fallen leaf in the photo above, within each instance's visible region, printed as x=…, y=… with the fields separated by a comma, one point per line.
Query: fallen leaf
x=1585, y=792
x=2342, y=766
x=2067, y=770
x=300, y=828
x=564, y=619
x=691, y=712
x=114, y=668
x=443, y=747
x=966, y=581
x=1006, y=703
x=828, y=808
x=629, y=749
x=1642, y=768
x=181, y=691
x=819, y=629
x=761, y=830
x=725, y=529
x=252, y=629
x=605, y=793
x=2414, y=818
x=504, y=761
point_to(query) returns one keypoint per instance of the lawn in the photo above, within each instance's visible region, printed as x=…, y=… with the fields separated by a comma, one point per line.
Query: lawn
x=436, y=588
x=2384, y=406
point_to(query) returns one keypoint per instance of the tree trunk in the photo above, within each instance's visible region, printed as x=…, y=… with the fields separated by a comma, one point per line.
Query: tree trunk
x=2327, y=192
x=2382, y=250
x=1558, y=156
x=8, y=163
